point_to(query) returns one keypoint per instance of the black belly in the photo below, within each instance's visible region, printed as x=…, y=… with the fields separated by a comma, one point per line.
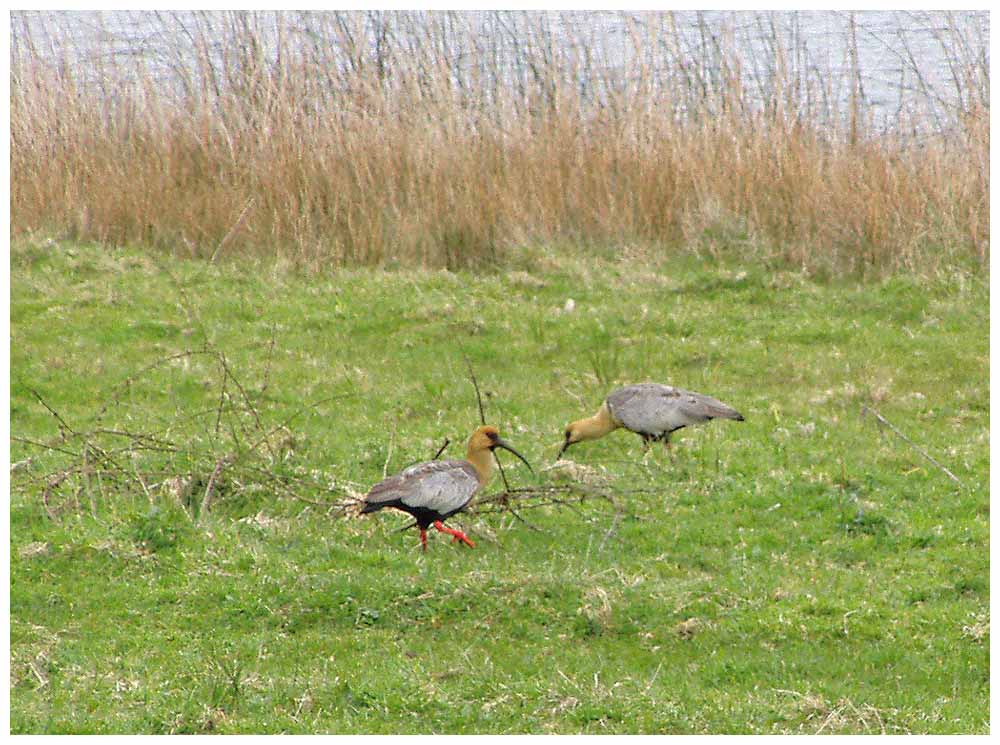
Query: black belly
x=422, y=515
x=661, y=435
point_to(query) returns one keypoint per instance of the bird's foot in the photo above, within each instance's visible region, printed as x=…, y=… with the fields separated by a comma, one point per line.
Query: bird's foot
x=456, y=535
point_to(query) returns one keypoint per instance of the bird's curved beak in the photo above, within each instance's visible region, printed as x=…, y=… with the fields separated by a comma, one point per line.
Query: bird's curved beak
x=562, y=450
x=506, y=446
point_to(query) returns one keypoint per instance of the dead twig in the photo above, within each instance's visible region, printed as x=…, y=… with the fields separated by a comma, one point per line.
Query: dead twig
x=482, y=419
x=209, y=490
x=882, y=420
x=105, y=456
x=53, y=412
x=52, y=484
x=139, y=440
x=87, y=471
x=521, y=520
x=441, y=449
x=503, y=475
x=246, y=398
x=44, y=446
x=548, y=496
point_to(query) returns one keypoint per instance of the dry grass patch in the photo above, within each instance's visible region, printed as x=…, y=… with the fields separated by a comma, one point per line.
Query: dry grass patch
x=368, y=139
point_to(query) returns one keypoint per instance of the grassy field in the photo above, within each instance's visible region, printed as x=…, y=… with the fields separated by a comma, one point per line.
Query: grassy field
x=802, y=571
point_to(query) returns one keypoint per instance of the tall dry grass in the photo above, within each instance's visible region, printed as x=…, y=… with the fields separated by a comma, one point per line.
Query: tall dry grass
x=446, y=139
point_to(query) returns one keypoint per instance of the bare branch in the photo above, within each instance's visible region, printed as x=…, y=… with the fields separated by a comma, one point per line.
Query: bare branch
x=53, y=412
x=482, y=419
x=210, y=489
x=441, y=449
x=43, y=445
x=475, y=384
x=865, y=409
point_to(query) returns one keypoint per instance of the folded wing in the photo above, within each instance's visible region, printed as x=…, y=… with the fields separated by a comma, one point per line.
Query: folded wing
x=441, y=486
x=652, y=408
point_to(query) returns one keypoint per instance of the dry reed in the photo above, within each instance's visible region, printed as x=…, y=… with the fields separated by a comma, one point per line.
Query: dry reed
x=447, y=139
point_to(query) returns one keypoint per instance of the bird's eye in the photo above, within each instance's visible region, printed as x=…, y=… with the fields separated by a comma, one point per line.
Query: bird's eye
x=568, y=434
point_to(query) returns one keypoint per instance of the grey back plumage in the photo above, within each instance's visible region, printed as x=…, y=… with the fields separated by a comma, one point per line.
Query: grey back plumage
x=443, y=486
x=655, y=409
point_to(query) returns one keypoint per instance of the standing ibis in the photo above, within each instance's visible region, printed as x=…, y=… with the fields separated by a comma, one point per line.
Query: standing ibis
x=650, y=410
x=434, y=491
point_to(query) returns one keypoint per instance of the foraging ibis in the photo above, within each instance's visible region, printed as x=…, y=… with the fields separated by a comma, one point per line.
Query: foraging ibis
x=650, y=410
x=434, y=491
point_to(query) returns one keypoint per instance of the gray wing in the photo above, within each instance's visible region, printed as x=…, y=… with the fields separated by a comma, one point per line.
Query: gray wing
x=652, y=408
x=444, y=486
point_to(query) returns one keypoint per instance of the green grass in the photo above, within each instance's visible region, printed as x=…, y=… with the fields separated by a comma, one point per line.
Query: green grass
x=802, y=571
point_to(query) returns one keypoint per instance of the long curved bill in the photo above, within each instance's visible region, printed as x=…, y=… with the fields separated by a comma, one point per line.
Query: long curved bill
x=562, y=450
x=506, y=446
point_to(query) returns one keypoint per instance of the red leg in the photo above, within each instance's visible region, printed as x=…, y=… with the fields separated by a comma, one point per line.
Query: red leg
x=423, y=538
x=456, y=535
